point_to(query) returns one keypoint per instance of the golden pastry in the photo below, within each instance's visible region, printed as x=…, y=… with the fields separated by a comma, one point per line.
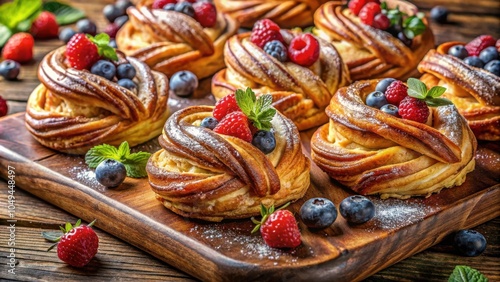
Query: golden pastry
x=287, y=14
x=373, y=152
x=474, y=91
x=370, y=52
x=170, y=41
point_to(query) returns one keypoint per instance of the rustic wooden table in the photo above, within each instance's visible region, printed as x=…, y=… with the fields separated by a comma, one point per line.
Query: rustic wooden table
x=118, y=260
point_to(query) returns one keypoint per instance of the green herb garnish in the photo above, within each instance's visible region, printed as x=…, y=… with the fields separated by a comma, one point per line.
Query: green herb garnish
x=418, y=89
x=463, y=273
x=103, y=48
x=411, y=25
x=258, y=110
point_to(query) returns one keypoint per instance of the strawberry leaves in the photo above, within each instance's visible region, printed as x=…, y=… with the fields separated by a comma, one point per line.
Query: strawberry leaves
x=258, y=110
x=418, y=89
x=265, y=213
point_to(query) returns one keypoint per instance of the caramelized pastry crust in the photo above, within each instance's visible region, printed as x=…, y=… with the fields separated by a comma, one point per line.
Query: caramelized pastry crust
x=71, y=110
x=474, y=91
x=170, y=41
x=287, y=14
x=370, y=52
x=300, y=93
x=372, y=152
x=202, y=174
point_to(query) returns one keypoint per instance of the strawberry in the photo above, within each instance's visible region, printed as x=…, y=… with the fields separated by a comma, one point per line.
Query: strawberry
x=81, y=53
x=205, y=13
x=414, y=109
x=479, y=43
x=77, y=246
x=368, y=12
x=264, y=31
x=235, y=124
x=356, y=5
x=278, y=228
x=396, y=92
x=4, y=108
x=45, y=26
x=304, y=50
x=225, y=106
x=158, y=4
x=19, y=48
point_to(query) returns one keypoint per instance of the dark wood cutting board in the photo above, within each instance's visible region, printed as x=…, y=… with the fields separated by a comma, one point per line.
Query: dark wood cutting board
x=227, y=251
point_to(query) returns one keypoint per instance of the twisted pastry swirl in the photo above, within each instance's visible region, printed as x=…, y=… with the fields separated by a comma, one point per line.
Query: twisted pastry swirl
x=474, y=91
x=375, y=153
x=300, y=93
x=170, y=41
x=370, y=52
x=71, y=110
x=201, y=174
x=287, y=14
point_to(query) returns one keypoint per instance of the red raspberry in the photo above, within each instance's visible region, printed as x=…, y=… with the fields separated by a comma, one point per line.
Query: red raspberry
x=279, y=228
x=396, y=92
x=81, y=53
x=381, y=21
x=111, y=30
x=158, y=4
x=205, y=13
x=479, y=43
x=4, y=108
x=264, y=31
x=45, y=26
x=235, y=124
x=225, y=106
x=19, y=48
x=304, y=50
x=356, y=5
x=414, y=109
x=368, y=13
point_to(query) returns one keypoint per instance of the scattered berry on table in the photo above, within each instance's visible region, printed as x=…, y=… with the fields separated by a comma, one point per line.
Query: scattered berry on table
x=125, y=71
x=10, y=69
x=45, y=26
x=185, y=8
x=159, y=4
x=458, y=51
x=66, y=34
x=439, y=14
x=264, y=31
x=489, y=54
x=127, y=83
x=478, y=44
x=183, y=83
x=4, y=108
x=224, y=106
x=110, y=173
x=276, y=49
x=406, y=41
x=396, y=92
x=304, y=50
x=279, y=229
x=318, y=213
x=470, y=242
x=86, y=26
x=104, y=68
x=121, y=20
x=376, y=99
x=111, y=30
x=235, y=124
x=19, y=48
x=264, y=140
x=357, y=209
x=414, y=109
x=390, y=109
x=493, y=67
x=123, y=4
x=209, y=122
x=205, y=13
x=474, y=61
x=368, y=12
x=383, y=84
x=111, y=12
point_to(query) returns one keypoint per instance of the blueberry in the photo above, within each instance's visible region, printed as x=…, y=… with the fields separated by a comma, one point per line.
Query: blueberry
x=458, y=51
x=406, y=41
x=489, y=54
x=276, y=49
x=209, y=122
x=110, y=173
x=383, y=84
x=493, y=67
x=111, y=12
x=264, y=141
x=112, y=43
x=470, y=243
x=318, y=213
x=376, y=99
x=127, y=83
x=473, y=61
x=121, y=20
x=185, y=8
x=183, y=83
x=394, y=29
x=104, y=68
x=125, y=71
x=390, y=109
x=66, y=34
x=357, y=209
x=123, y=4
x=439, y=14
x=10, y=69
x=86, y=26
x=169, y=7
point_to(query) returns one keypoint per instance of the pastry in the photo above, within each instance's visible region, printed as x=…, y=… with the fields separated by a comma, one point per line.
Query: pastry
x=205, y=174
x=376, y=153
x=287, y=14
x=73, y=110
x=369, y=51
x=300, y=92
x=474, y=90
x=170, y=41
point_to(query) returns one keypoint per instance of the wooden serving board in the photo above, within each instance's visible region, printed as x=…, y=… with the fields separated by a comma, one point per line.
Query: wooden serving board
x=227, y=251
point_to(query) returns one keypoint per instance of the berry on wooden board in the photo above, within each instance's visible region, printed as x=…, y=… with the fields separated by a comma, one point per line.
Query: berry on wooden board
x=318, y=213
x=357, y=209
x=10, y=69
x=470, y=242
x=183, y=83
x=19, y=48
x=278, y=228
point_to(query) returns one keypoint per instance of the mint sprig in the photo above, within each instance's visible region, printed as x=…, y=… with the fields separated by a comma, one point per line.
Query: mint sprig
x=135, y=163
x=411, y=25
x=258, y=110
x=418, y=89
x=463, y=273
x=65, y=14
x=102, y=41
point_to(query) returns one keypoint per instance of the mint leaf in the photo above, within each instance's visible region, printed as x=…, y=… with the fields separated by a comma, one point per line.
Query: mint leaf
x=102, y=42
x=436, y=91
x=245, y=100
x=413, y=26
x=463, y=273
x=416, y=88
x=12, y=13
x=135, y=164
x=64, y=13
x=436, y=102
x=5, y=34
x=100, y=153
x=124, y=150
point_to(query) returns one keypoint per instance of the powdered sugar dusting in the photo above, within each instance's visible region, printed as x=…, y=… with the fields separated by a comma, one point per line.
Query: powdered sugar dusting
x=395, y=213
x=83, y=174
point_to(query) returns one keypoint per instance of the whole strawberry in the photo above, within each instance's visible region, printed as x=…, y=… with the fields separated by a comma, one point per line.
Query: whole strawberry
x=81, y=53
x=235, y=124
x=3, y=107
x=19, y=48
x=78, y=245
x=278, y=228
x=45, y=26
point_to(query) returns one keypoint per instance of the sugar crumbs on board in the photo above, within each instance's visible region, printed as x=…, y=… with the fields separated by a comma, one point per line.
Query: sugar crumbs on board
x=395, y=213
x=83, y=174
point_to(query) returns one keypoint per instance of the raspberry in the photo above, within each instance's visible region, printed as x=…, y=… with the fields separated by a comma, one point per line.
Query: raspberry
x=81, y=53
x=205, y=13
x=304, y=50
x=396, y=92
x=158, y=4
x=19, y=48
x=4, y=108
x=276, y=49
x=264, y=31
x=414, y=109
x=356, y=5
x=368, y=12
x=479, y=43
x=111, y=30
x=225, y=106
x=381, y=21
x=45, y=26
x=235, y=124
